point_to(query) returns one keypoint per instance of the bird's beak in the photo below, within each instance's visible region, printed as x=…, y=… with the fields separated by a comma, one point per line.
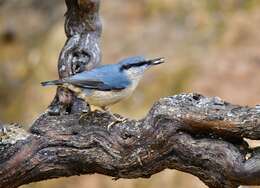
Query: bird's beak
x=156, y=61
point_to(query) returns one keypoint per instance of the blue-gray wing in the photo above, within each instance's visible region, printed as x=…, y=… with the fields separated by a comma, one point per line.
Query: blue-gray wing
x=105, y=78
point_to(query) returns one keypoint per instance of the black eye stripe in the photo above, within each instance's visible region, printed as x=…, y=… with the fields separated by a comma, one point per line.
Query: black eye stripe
x=125, y=67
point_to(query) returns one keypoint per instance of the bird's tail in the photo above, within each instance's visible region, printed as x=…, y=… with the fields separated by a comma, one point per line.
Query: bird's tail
x=52, y=82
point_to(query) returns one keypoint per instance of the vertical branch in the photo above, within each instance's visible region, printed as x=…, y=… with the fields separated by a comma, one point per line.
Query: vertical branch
x=83, y=29
x=81, y=51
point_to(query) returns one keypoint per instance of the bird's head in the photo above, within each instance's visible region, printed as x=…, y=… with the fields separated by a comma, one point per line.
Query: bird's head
x=136, y=66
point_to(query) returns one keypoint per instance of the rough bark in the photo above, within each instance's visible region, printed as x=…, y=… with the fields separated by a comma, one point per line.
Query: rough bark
x=81, y=51
x=188, y=132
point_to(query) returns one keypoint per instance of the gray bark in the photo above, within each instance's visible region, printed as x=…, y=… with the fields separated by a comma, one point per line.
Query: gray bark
x=188, y=132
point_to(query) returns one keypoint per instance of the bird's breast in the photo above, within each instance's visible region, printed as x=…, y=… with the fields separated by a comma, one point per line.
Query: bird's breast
x=106, y=98
x=103, y=98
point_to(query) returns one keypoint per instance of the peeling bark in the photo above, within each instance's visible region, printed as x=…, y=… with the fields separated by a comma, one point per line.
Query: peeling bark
x=189, y=132
x=170, y=136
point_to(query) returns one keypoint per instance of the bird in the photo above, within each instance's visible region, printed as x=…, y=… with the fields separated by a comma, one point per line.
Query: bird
x=107, y=84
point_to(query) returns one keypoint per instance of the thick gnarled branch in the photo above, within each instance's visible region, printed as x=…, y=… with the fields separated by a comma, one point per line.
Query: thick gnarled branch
x=81, y=51
x=188, y=132
x=169, y=137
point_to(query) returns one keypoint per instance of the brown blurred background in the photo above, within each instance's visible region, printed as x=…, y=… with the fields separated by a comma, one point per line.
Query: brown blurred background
x=211, y=46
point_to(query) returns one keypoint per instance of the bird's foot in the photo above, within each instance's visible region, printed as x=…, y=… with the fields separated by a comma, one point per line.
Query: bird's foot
x=115, y=118
x=115, y=121
x=84, y=113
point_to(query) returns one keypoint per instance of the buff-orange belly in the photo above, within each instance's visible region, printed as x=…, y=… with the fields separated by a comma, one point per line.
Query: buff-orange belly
x=102, y=98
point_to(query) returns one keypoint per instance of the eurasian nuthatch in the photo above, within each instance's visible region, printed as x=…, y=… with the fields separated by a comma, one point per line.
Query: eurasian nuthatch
x=107, y=84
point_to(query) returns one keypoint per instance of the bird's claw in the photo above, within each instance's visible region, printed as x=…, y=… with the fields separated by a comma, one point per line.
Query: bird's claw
x=119, y=119
x=84, y=113
x=116, y=120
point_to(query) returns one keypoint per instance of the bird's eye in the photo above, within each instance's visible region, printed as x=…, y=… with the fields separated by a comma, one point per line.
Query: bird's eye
x=125, y=67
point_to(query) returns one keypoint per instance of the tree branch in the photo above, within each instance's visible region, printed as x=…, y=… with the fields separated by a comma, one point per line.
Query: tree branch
x=81, y=51
x=170, y=136
x=188, y=132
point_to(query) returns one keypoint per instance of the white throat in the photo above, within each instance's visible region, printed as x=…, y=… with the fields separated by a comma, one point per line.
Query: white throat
x=134, y=75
